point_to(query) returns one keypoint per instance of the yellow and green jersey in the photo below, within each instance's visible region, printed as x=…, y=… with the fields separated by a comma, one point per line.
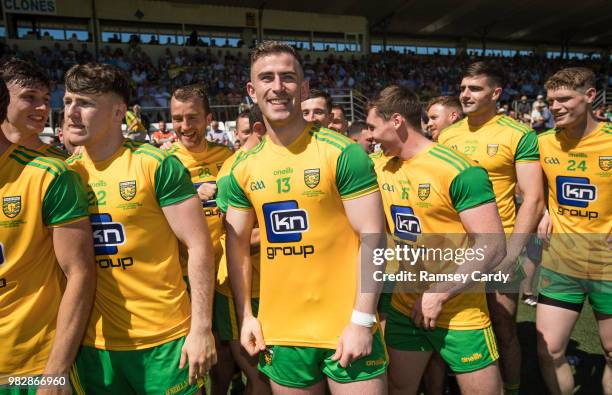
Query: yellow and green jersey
x=422, y=198
x=37, y=193
x=579, y=175
x=223, y=284
x=203, y=168
x=141, y=299
x=52, y=151
x=309, y=250
x=498, y=146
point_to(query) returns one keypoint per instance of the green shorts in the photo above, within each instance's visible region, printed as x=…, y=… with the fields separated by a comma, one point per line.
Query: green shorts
x=463, y=350
x=150, y=371
x=570, y=292
x=301, y=367
x=384, y=303
x=225, y=318
x=18, y=391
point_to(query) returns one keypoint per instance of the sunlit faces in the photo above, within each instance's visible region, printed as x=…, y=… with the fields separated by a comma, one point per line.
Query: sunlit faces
x=28, y=109
x=277, y=86
x=568, y=106
x=243, y=130
x=190, y=120
x=315, y=110
x=89, y=118
x=385, y=132
x=440, y=117
x=478, y=95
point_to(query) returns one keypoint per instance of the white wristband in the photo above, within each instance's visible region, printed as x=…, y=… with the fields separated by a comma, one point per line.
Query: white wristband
x=363, y=319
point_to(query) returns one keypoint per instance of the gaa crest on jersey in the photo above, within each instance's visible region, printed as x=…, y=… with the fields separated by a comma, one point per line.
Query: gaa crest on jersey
x=492, y=149
x=605, y=163
x=424, y=190
x=127, y=189
x=312, y=177
x=11, y=206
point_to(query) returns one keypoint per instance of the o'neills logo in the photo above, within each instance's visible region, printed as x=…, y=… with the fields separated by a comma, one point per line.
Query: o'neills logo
x=11, y=206
x=127, y=189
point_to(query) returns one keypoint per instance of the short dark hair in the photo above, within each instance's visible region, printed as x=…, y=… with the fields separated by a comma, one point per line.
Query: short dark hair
x=267, y=48
x=316, y=93
x=489, y=69
x=255, y=115
x=193, y=91
x=446, y=101
x=356, y=128
x=338, y=107
x=398, y=99
x=5, y=99
x=23, y=73
x=96, y=78
x=575, y=78
x=244, y=114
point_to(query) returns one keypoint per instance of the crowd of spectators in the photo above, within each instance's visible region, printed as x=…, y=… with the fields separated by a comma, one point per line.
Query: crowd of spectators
x=225, y=74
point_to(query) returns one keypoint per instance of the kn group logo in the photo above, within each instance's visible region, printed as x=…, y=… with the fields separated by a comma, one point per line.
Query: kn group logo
x=575, y=191
x=407, y=226
x=285, y=221
x=107, y=235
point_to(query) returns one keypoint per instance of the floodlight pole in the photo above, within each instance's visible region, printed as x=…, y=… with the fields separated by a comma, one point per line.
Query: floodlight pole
x=95, y=30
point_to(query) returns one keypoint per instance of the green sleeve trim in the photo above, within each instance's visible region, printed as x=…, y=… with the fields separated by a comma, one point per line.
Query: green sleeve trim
x=222, y=193
x=236, y=196
x=471, y=188
x=65, y=199
x=527, y=149
x=172, y=182
x=354, y=171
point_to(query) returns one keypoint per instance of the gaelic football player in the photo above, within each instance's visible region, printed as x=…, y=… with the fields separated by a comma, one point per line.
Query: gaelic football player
x=315, y=326
x=317, y=107
x=442, y=111
x=508, y=150
x=44, y=236
x=577, y=160
x=143, y=331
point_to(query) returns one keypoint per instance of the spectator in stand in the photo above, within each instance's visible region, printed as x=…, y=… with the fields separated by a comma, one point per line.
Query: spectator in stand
x=217, y=135
x=523, y=106
x=163, y=135
x=136, y=129
x=608, y=113
x=539, y=122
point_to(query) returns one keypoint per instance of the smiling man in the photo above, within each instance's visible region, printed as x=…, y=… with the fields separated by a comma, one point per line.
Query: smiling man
x=315, y=326
x=191, y=114
x=509, y=152
x=29, y=108
x=442, y=111
x=457, y=201
x=317, y=107
x=144, y=328
x=577, y=162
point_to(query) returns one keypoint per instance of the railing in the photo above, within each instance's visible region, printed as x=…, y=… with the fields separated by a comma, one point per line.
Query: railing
x=353, y=102
x=604, y=97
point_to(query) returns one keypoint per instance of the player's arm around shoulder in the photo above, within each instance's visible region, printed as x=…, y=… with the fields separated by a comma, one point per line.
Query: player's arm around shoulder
x=183, y=211
x=65, y=212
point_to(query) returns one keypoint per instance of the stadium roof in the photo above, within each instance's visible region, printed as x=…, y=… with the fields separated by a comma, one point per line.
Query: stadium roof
x=584, y=22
